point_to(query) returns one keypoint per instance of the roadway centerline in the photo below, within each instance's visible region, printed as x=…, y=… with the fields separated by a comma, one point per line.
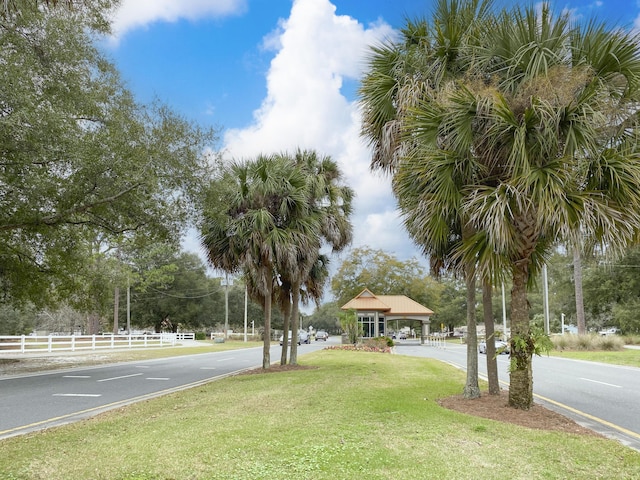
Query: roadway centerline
x=157, y=378
x=601, y=383
x=226, y=359
x=76, y=376
x=118, y=378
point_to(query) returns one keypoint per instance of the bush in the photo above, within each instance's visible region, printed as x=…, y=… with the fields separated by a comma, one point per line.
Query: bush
x=587, y=342
x=611, y=343
x=378, y=342
x=560, y=342
x=201, y=336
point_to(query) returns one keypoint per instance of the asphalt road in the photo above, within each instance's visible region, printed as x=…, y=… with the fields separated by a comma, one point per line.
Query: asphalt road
x=38, y=401
x=599, y=396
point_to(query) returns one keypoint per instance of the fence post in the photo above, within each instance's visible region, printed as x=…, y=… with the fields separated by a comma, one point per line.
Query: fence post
x=93, y=341
x=23, y=342
x=73, y=343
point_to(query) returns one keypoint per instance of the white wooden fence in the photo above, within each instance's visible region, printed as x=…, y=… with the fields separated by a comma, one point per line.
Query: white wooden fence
x=52, y=343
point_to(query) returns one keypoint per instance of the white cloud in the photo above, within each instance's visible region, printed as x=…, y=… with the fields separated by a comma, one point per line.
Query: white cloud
x=304, y=108
x=138, y=13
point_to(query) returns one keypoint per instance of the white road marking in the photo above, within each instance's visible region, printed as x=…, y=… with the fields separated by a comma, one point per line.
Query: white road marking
x=76, y=395
x=226, y=359
x=207, y=368
x=157, y=378
x=143, y=366
x=118, y=378
x=601, y=383
x=76, y=376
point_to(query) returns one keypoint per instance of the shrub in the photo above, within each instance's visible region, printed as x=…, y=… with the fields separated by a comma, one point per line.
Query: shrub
x=378, y=342
x=360, y=348
x=201, y=336
x=350, y=325
x=561, y=342
x=611, y=343
x=587, y=342
x=631, y=339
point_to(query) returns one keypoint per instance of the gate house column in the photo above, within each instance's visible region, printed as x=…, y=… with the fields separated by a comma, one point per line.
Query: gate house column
x=425, y=332
x=376, y=327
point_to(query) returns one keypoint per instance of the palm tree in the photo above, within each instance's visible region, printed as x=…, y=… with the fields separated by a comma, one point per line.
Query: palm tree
x=541, y=113
x=569, y=154
x=401, y=77
x=246, y=226
x=546, y=112
x=269, y=219
x=329, y=204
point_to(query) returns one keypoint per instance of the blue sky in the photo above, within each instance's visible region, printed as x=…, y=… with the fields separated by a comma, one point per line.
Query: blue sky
x=275, y=75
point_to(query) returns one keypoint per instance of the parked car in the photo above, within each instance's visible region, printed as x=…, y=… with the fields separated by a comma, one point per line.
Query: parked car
x=321, y=335
x=303, y=337
x=501, y=347
x=609, y=331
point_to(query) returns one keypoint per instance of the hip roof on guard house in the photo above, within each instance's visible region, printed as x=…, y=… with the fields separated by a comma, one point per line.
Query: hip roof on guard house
x=390, y=305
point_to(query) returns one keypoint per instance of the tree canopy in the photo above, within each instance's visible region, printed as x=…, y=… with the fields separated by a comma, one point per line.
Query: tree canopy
x=383, y=274
x=80, y=159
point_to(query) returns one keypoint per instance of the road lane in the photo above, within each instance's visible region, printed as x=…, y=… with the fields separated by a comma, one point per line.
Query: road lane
x=33, y=402
x=599, y=396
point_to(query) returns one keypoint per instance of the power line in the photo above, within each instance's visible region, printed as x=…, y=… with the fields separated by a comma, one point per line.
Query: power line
x=166, y=294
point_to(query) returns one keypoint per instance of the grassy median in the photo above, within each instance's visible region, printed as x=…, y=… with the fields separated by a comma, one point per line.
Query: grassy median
x=350, y=415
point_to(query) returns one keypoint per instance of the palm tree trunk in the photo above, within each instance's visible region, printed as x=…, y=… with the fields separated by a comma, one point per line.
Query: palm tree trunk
x=577, y=278
x=295, y=315
x=471, y=388
x=492, y=362
x=521, y=343
x=286, y=325
x=266, y=349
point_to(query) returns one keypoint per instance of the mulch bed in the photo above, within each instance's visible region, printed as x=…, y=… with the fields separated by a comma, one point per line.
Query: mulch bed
x=496, y=407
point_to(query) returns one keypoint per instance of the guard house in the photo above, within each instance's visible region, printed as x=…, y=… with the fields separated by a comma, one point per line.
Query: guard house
x=375, y=312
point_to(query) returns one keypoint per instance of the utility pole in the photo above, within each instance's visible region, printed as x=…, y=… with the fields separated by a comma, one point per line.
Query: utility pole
x=226, y=305
x=116, y=306
x=128, y=306
x=545, y=298
x=245, y=313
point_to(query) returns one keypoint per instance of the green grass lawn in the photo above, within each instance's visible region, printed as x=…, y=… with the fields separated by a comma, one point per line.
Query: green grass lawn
x=205, y=346
x=629, y=357
x=353, y=415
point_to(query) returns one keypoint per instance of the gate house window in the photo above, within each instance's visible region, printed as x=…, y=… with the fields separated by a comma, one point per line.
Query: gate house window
x=368, y=323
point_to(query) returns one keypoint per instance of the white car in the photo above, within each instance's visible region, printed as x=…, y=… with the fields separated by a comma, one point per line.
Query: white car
x=609, y=331
x=501, y=347
x=303, y=337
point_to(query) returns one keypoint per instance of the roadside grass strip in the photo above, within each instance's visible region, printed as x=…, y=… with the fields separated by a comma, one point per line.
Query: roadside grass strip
x=353, y=415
